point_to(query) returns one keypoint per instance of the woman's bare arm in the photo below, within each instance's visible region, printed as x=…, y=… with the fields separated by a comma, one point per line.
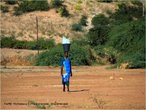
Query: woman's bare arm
x=61, y=70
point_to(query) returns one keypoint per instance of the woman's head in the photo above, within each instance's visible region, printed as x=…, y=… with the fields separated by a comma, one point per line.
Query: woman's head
x=66, y=54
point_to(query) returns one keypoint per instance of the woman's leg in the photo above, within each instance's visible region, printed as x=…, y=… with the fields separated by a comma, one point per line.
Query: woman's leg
x=63, y=87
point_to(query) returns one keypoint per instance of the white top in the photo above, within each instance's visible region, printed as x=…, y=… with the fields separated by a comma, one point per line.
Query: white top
x=65, y=40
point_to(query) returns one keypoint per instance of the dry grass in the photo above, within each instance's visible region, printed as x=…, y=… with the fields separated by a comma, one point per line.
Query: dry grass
x=17, y=57
x=15, y=61
x=51, y=24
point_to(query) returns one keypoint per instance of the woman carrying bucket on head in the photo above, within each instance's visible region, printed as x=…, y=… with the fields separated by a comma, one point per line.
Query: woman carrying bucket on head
x=66, y=64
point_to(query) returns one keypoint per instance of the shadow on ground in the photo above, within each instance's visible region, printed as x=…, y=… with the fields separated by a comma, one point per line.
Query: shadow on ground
x=82, y=90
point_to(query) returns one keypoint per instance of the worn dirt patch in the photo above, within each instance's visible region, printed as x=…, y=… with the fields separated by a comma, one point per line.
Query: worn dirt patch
x=91, y=88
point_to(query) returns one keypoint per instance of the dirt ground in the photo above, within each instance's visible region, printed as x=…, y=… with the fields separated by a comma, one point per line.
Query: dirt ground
x=94, y=87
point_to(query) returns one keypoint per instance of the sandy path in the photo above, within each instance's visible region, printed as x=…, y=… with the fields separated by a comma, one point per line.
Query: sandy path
x=91, y=88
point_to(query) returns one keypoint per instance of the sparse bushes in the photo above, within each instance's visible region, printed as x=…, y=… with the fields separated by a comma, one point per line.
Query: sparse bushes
x=32, y=5
x=79, y=26
x=107, y=1
x=126, y=13
x=76, y=27
x=56, y=3
x=63, y=11
x=60, y=8
x=11, y=2
x=11, y=42
x=83, y=20
x=4, y=8
x=78, y=7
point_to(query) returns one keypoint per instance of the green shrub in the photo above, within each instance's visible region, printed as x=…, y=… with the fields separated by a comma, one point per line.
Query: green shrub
x=56, y=3
x=11, y=42
x=78, y=7
x=50, y=57
x=78, y=55
x=11, y=2
x=76, y=27
x=109, y=53
x=46, y=44
x=8, y=42
x=99, y=50
x=32, y=45
x=80, y=41
x=100, y=20
x=129, y=39
x=63, y=11
x=32, y=5
x=83, y=20
x=107, y=1
x=134, y=59
x=20, y=45
x=98, y=34
x=4, y=9
x=126, y=13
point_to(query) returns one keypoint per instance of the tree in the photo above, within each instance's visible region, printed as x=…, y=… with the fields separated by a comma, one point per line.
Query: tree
x=98, y=34
x=56, y=3
x=83, y=20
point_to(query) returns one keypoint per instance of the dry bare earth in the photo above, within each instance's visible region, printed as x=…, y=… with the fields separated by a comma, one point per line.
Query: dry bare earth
x=51, y=24
x=91, y=88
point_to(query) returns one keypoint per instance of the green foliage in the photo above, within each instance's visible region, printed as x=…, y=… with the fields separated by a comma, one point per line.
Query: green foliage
x=4, y=8
x=123, y=37
x=126, y=13
x=63, y=11
x=100, y=20
x=11, y=42
x=80, y=42
x=78, y=7
x=78, y=55
x=11, y=2
x=98, y=34
x=7, y=42
x=107, y=1
x=56, y=3
x=110, y=53
x=32, y=5
x=51, y=57
x=83, y=20
x=76, y=27
x=124, y=41
x=46, y=44
x=129, y=39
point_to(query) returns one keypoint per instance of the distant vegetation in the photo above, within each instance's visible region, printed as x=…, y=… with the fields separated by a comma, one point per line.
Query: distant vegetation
x=107, y=1
x=31, y=5
x=11, y=42
x=36, y=5
x=79, y=26
x=116, y=39
x=78, y=55
x=4, y=9
x=123, y=42
x=60, y=8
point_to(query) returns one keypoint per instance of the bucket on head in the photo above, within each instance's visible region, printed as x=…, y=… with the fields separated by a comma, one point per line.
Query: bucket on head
x=66, y=47
x=66, y=44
